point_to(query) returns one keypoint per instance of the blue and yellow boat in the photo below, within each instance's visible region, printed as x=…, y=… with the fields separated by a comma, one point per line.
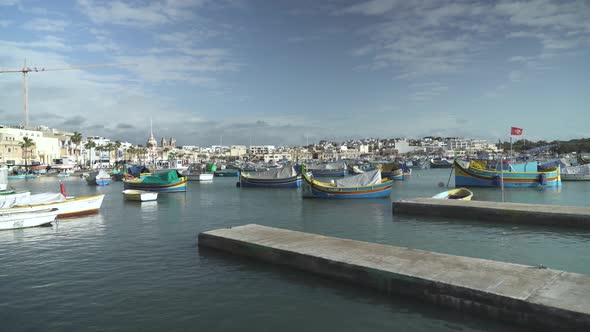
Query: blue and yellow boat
x=366, y=185
x=391, y=171
x=481, y=173
x=165, y=182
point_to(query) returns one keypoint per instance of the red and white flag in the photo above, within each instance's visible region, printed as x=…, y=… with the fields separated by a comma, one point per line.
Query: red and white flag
x=515, y=131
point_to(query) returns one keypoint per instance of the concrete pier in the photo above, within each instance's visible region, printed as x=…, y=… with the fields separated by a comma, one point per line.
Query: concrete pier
x=539, y=298
x=535, y=214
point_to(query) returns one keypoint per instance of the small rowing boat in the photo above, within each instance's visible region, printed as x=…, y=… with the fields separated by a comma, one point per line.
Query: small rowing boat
x=139, y=195
x=463, y=194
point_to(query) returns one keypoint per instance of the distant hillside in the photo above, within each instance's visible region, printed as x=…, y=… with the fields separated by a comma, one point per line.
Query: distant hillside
x=581, y=145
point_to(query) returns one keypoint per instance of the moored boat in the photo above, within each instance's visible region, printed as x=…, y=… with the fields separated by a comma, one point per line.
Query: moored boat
x=462, y=194
x=576, y=173
x=479, y=173
x=17, y=220
x=200, y=177
x=67, y=207
x=170, y=181
x=285, y=177
x=335, y=169
x=227, y=173
x=366, y=185
x=195, y=173
x=139, y=195
x=391, y=171
x=440, y=163
x=98, y=178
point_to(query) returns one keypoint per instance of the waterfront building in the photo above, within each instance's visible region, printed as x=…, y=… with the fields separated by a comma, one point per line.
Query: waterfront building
x=48, y=146
x=238, y=151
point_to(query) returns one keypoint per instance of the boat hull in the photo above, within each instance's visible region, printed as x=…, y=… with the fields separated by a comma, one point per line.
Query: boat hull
x=313, y=189
x=575, y=177
x=232, y=173
x=474, y=177
x=103, y=182
x=26, y=219
x=397, y=175
x=291, y=182
x=200, y=177
x=139, y=195
x=179, y=186
x=72, y=207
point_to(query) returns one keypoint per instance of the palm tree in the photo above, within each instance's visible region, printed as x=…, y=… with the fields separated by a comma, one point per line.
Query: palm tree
x=89, y=146
x=109, y=148
x=143, y=151
x=25, y=145
x=117, y=146
x=76, y=139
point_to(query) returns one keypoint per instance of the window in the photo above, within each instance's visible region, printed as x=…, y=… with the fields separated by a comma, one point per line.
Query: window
x=9, y=150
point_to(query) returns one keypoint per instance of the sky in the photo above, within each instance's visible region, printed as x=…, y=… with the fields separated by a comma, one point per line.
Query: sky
x=279, y=72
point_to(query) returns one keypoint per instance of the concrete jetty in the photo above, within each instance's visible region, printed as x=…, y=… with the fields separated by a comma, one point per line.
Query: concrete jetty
x=539, y=298
x=536, y=214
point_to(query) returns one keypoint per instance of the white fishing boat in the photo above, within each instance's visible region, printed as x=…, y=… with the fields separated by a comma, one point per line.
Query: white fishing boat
x=67, y=207
x=576, y=173
x=197, y=174
x=18, y=220
x=200, y=177
x=140, y=195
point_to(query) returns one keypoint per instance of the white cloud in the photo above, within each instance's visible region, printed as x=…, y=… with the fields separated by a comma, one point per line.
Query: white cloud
x=9, y=2
x=191, y=67
x=426, y=39
x=44, y=24
x=48, y=42
x=427, y=91
x=373, y=7
x=152, y=13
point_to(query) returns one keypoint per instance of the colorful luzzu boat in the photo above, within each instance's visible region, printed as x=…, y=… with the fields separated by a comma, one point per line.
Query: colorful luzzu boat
x=366, y=185
x=285, y=177
x=166, y=182
x=392, y=171
x=476, y=173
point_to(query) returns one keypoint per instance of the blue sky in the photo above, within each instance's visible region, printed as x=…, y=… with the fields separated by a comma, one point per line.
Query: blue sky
x=285, y=72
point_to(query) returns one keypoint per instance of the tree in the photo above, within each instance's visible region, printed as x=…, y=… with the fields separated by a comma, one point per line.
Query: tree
x=25, y=145
x=109, y=148
x=76, y=139
x=89, y=146
x=117, y=147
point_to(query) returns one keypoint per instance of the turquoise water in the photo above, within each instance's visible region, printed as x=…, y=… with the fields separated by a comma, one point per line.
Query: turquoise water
x=136, y=266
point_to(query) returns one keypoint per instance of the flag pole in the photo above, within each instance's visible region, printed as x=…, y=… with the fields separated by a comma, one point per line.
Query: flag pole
x=502, y=172
x=511, y=148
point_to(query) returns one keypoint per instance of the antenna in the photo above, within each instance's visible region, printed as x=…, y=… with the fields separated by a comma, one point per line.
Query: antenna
x=25, y=70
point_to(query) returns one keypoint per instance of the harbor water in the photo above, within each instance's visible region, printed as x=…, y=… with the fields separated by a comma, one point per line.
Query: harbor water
x=136, y=266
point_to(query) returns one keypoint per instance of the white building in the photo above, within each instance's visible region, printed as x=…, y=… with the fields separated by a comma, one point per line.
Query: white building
x=238, y=151
x=47, y=146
